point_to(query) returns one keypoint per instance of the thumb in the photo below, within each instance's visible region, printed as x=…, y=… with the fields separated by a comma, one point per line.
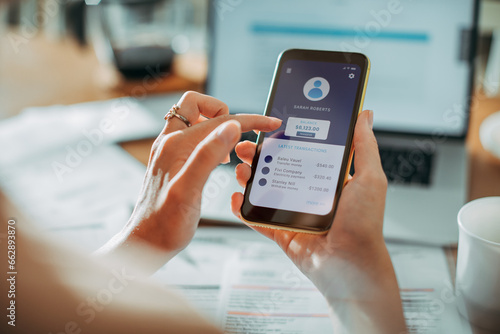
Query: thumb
x=207, y=155
x=367, y=157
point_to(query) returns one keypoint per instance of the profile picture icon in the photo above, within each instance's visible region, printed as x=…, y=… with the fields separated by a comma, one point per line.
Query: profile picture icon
x=316, y=89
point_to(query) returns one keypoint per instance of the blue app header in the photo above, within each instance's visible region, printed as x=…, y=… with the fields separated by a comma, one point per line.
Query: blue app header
x=315, y=100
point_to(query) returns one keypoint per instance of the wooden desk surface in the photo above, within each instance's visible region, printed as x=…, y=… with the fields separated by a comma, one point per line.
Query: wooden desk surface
x=47, y=72
x=484, y=177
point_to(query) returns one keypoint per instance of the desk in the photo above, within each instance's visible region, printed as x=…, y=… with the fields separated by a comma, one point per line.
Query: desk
x=47, y=72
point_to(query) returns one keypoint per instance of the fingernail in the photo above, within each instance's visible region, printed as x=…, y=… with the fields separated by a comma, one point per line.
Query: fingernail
x=276, y=121
x=229, y=132
x=226, y=160
x=370, y=119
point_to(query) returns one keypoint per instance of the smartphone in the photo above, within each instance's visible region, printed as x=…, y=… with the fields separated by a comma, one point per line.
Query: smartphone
x=299, y=170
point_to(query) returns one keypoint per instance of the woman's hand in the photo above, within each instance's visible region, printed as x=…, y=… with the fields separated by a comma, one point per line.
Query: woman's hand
x=168, y=210
x=350, y=264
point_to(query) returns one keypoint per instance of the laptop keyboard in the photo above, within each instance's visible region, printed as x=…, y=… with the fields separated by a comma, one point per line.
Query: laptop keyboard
x=405, y=165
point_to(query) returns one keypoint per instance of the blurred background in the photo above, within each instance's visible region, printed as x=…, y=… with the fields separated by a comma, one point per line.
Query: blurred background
x=66, y=52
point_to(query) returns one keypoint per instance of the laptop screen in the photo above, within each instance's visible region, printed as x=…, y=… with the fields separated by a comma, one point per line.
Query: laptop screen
x=419, y=50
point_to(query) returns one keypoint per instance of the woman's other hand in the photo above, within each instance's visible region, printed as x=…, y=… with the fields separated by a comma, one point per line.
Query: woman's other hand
x=350, y=264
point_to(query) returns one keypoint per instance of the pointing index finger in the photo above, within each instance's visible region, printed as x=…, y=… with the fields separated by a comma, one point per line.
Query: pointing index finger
x=247, y=122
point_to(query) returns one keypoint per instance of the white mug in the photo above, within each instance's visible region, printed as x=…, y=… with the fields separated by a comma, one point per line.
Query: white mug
x=478, y=262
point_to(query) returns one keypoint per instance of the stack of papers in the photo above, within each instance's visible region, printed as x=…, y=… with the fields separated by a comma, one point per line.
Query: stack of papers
x=261, y=291
x=103, y=188
x=244, y=283
x=62, y=167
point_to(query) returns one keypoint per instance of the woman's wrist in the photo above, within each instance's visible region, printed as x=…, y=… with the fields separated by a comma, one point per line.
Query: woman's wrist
x=341, y=271
x=129, y=248
x=356, y=283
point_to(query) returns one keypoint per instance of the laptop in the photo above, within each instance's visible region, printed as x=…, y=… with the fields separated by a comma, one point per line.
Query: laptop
x=419, y=88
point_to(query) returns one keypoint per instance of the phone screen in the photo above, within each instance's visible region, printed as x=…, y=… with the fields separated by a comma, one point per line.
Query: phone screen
x=299, y=164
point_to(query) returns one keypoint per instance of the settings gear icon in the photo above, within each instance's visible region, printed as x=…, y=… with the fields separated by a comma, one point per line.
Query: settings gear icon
x=351, y=75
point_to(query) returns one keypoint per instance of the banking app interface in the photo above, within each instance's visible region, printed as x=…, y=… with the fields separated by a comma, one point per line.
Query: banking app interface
x=299, y=165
